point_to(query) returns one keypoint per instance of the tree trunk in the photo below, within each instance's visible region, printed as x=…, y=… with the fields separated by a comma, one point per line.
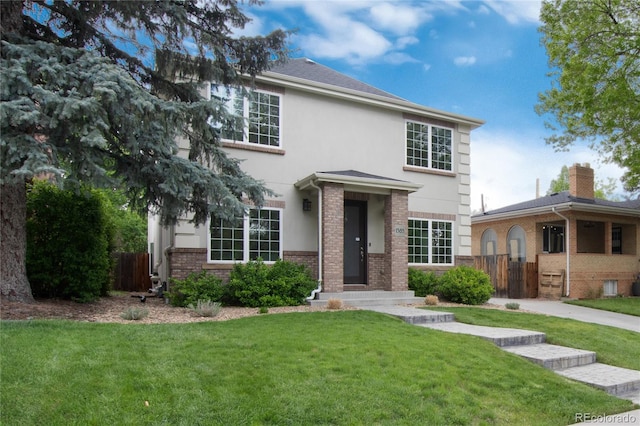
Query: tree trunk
x=14, y=284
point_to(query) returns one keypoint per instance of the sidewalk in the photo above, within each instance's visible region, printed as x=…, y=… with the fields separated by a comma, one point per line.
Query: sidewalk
x=580, y=313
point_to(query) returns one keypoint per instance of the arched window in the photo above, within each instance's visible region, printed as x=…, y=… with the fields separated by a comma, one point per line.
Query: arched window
x=489, y=241
x=516, y=244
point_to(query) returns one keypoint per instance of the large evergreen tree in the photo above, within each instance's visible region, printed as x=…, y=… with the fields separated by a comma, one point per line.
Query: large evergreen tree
x=594, y=52
x=100, y=91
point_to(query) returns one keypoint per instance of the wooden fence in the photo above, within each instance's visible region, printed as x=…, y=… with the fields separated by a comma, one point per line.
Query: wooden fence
x=132, y=272
x=513, y=280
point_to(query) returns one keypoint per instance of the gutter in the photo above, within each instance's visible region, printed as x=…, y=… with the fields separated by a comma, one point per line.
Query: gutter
x=319, y=288
x=567, y=248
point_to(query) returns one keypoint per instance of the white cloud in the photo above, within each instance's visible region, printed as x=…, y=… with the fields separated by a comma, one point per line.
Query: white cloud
x=464, y=61
x=426, y=67
x=397, y=58
x=505, y=167
x=515, y=11
x=403, y=42
x=398, y=18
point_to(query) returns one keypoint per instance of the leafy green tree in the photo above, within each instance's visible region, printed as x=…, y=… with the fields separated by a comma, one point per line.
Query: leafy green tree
x=593, y=51
x=68, y=249
x=129, y=227
x=602, y=190
x=99, y=92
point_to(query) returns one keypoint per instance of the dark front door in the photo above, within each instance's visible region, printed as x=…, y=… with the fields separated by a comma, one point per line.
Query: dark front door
x=355, y=242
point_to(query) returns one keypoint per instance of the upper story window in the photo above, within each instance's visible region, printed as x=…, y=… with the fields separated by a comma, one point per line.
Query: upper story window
x=257, y=235
x=430, y=241
x=429, y=146
x=255, y=118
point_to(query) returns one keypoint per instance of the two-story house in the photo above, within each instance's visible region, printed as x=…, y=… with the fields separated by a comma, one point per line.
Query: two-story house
x=368, y=184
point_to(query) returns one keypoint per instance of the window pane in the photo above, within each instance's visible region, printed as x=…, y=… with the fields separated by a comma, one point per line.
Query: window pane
x=418, y=250
x=264, y=119
x=417, y=146
x=440, y=148
x=225, y=238
x=264, y=234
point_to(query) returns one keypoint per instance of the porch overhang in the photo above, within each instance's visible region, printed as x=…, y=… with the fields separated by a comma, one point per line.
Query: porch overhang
x=355, y=181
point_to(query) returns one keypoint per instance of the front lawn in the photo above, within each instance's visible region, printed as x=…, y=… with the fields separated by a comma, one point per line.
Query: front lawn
x=347, y=367
x=622, y=305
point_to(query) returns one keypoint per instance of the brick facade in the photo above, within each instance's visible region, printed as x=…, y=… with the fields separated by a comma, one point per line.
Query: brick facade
x=396, y=217
x=333, y=237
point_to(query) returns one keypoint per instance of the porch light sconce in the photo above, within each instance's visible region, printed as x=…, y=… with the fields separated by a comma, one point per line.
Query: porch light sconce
x=306, y=205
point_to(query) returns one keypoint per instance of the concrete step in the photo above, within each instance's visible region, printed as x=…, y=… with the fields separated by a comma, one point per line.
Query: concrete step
x=617, y=381
x=413, y=315
x=365, y=299
x=499, y=336
x=553, y=357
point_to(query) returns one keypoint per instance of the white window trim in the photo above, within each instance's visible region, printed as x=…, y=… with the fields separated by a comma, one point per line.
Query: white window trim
x=429, y=135
x=245, y=120
x=245, y=240
x=453, y=246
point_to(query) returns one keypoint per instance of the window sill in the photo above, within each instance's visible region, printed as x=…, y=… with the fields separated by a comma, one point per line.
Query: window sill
x=428, y=171
x=253, y=147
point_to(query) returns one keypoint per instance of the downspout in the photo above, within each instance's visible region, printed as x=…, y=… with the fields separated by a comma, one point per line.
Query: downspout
x=319, y=289
x=170, y=247
x=567, y=248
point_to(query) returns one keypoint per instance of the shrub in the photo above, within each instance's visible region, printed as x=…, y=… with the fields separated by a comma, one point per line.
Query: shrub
x=68, y=240
x=255, y=284
x=431, y=300
x=467, y=285
x=206, y=308
x=134, y=314
x=197, y=286
x=423, y=283
x=512, y=305
x=263, y=310
x=334, y=304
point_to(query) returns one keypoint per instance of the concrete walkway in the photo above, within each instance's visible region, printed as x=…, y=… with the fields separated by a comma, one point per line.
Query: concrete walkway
x=580, y=313
x=576, y=364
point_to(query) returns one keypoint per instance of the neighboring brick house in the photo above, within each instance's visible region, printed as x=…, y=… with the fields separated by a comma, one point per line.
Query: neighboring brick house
x=368, y=184
x=603, y=239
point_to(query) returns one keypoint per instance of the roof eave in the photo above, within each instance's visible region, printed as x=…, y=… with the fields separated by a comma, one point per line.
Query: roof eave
x=368, y=98
x=570, y=206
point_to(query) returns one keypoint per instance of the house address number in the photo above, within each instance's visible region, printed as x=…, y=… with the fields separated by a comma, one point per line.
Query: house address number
x=400, y=231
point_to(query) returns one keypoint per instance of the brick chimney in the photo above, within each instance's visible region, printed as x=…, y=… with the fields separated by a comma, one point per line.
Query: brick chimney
x=581, y=181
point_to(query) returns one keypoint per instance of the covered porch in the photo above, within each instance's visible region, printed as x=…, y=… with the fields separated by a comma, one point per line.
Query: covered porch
x=362, y=234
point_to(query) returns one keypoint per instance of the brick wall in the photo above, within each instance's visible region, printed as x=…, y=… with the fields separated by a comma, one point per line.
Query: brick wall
x=581, y=181
x=333, y=237
x=183, y=261
x=396, y=216
x=377, y=276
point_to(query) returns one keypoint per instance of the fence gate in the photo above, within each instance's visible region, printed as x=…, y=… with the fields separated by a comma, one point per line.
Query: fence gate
x=132, y=272
x=513, y=280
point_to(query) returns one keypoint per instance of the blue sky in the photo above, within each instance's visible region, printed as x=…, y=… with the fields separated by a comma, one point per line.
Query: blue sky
x=477, y=58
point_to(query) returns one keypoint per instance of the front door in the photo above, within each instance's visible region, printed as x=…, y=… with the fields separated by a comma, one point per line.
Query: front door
x=355, y=242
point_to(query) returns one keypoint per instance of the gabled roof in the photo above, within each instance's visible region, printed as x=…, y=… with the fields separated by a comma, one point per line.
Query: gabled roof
x=307, y=75
x=561, y=201
x=307, y=69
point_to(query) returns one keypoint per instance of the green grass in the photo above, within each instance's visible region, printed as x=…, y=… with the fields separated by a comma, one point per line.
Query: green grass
x=612, y=345
x=622, y=305
x=347, y=367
